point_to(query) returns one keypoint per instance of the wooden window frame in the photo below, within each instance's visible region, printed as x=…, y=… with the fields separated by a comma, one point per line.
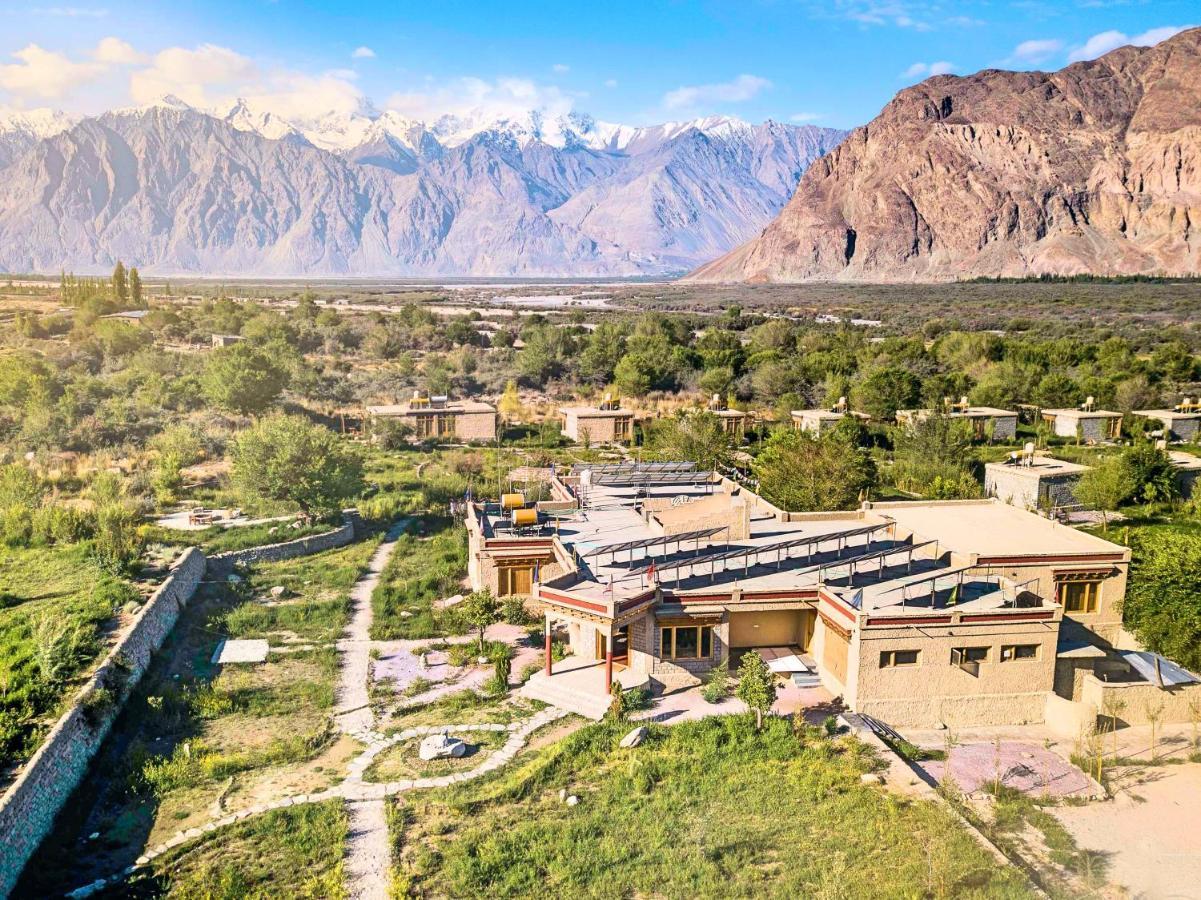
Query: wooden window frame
x=960, y=655
x=667, y=648
x=1091, y=601
x=1009, y=652
x=888, y=659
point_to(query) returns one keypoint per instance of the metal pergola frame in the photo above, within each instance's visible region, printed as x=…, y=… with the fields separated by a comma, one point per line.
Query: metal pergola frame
x=664, y=539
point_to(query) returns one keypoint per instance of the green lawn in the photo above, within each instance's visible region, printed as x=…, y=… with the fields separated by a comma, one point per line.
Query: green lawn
x=195, y=737
x=402, y=760
x=421, y=570
x=294, y=852
x=54, y=605
x=702, y=809
x=219, y=540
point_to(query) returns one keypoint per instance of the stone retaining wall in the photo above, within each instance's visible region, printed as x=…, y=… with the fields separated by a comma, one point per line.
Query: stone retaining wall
x=220, y=565
x=30, y=805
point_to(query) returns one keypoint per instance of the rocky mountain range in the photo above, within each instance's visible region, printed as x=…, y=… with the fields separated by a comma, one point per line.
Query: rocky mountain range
x=173, y=189
x=1095, y=168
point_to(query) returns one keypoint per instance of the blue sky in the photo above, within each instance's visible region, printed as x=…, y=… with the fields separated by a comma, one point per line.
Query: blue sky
x=833, y=63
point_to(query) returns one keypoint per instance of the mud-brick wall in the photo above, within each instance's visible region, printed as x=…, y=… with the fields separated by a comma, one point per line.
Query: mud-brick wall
x=29, y=807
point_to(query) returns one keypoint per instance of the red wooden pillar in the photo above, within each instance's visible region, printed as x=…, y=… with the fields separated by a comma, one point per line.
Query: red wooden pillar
x=608, y=665
x=548, y=646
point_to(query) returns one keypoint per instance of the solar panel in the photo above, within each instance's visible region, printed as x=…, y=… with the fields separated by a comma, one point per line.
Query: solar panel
x=778, y=548
x=612, y=468
x=638, y=479
x=650, y=542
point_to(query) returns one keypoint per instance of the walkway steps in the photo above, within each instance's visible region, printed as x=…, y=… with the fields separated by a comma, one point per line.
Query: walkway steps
x=590, y=706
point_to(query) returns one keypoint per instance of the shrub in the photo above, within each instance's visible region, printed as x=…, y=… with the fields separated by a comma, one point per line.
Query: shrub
x=717, y=685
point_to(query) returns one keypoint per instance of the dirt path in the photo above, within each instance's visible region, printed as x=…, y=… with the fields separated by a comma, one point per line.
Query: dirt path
x=368, y=851
x=353, y=712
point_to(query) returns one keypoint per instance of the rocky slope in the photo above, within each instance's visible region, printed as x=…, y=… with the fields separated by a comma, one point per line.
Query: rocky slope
x=173, y=189
x=1095, y=168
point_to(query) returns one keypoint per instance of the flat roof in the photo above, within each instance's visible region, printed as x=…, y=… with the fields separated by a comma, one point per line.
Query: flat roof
x=594, y=412
x=991, y=528
x=452, y=406
x=1042, y=467
x=1082, y=413
x=1167, y=414
x=824, y=414
x=1185, y=461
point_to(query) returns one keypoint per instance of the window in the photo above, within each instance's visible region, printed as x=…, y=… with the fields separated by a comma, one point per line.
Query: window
x=687, y=642
x=890, y=659
x=622, y=426
x=423, y=426
x=1079, y=596
x=969, y=655
x=1010, y=652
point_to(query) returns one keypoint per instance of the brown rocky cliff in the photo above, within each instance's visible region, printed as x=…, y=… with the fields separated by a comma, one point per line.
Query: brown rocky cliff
x=1095, y=168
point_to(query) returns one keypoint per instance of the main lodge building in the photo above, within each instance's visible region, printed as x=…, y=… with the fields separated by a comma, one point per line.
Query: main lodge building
x=917, y=613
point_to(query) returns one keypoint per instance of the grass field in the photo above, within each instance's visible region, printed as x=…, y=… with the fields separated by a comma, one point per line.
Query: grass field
x=196, y=740
x=54, y=607
x=294, y=852
x=422, y=570
x=220, y=540
x=702, y=809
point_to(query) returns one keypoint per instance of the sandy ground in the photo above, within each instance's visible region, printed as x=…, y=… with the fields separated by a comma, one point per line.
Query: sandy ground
x=688, y=705
x=1150, y=832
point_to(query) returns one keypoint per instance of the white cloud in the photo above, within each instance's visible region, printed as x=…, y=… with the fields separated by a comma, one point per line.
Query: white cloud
x=926, y=70
x=742, y=88
x=560, y=68
x=363, y=53
x=1036, y=51
x=478, y=100
x=610, y=82
x=46, y=74
x=1105, y=41
x=804, y=117
x=116, y=52
x=192, y=75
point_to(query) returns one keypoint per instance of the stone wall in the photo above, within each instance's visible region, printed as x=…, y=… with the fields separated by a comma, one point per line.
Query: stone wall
x=221, y=565
x=29, y=807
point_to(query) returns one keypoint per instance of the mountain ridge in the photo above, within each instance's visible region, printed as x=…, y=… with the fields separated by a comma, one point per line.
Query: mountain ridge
x=177, y=190
x=1093, y=169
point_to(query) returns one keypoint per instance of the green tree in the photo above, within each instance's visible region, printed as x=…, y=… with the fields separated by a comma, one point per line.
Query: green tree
x=509, y=405
x=756, y=685
x=176, y=447
x=885, y=390
x=695, y=436
x=243, y=379
x=289, y=459
x=1104, y=487
x=135, y=289
x=801, y=471
x=479, y=609
x=1163, y=600
x=932, y=458
x=1152, y=477
x=120, y=282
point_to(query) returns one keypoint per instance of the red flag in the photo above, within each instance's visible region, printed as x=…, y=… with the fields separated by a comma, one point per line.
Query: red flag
x=650, y=573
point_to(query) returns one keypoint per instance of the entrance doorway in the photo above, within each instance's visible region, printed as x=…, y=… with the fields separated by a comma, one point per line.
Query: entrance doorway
x=621, y=646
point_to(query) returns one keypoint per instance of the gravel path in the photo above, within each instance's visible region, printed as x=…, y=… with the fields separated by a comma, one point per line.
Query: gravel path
x=353, y=712
x=368, y=848
x=368, y=852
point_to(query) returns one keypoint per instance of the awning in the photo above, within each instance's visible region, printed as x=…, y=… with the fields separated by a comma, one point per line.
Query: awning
x=1158, y=670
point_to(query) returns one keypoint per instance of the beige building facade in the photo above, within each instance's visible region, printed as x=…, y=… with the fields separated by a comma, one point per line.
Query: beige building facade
x=443, y=419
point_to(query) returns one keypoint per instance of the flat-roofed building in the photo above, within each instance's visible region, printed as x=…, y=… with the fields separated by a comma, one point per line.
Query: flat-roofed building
x=1034, y=482
x=733, y=421
x=442, y=419
x=1188, y=471
x=987, y=422
x=1092, y=426
x=607, y=423
x=819, y=421
x=1180, y=424
x=918, y=613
